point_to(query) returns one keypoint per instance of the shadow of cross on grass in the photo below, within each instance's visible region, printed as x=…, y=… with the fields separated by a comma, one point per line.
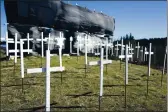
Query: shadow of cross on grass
x=12, y=85
x=121, y=85
x=52, y=105
x=35, y=109
x=89, y=94
x=83, y=94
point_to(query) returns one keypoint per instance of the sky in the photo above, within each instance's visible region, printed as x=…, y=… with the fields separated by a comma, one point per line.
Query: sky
x=144, y=19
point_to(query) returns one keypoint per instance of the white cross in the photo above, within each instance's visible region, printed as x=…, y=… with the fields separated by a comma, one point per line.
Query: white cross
x=126, y=56
x=86, y=61
x=107, y=48
x=28, y=41
x=49, y=41
x=131, y=51
x=138, y=47
x=112, y=49
x=15, y=50
x=145, y=54
x=141, y=51
x=98, y=47
x=129, y=46
x=78, y=44
x=8, y=40
x=117, y=49
x=122, y=46
x=48, y=69
x=101, y=63
x=164, y=60
x=71, y=39
x=60, y=44
x=22, y=57
x=149, y=61
x=42, y=43
x=7, y=53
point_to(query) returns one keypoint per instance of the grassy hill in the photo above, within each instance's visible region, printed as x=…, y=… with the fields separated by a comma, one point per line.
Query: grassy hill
x=80, y=93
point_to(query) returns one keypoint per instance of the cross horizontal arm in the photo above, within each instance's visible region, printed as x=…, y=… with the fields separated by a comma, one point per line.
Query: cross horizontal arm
x=11, y=41
x=97, y=54
x=40, y=70
x=13, y=50
x=27, y=39
x=123, y=56
x=98, y=62
x=148, y=52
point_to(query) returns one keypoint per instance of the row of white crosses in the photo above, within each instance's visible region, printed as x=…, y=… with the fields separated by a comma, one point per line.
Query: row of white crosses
x=28, y=44
x=37, y=70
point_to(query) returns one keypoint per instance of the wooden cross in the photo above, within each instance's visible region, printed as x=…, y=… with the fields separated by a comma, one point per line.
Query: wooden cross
x=138, y=47
x=101, y=63
x=149, y=61
x=126, y=56
x=47, y=70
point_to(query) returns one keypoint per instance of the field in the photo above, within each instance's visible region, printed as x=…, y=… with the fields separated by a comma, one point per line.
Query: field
x=73, y=91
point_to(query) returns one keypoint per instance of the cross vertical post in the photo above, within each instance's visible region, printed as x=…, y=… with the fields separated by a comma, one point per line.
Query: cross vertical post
x=101, y=76
x=49, y=42
x=164, y=64
x=126, y=64
x=28, y=43
x=47, y=80
x=141, y=51
x=149, y=61
x=77, y=47
x=7, y=47
x=21, y=58
x=86, y=61
x=138, y=47
x=144, y=54
x=71, y=39
x=117, y=49
x=42, y=45
x=15, y=47
x=106, y=48
x=164, y=61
